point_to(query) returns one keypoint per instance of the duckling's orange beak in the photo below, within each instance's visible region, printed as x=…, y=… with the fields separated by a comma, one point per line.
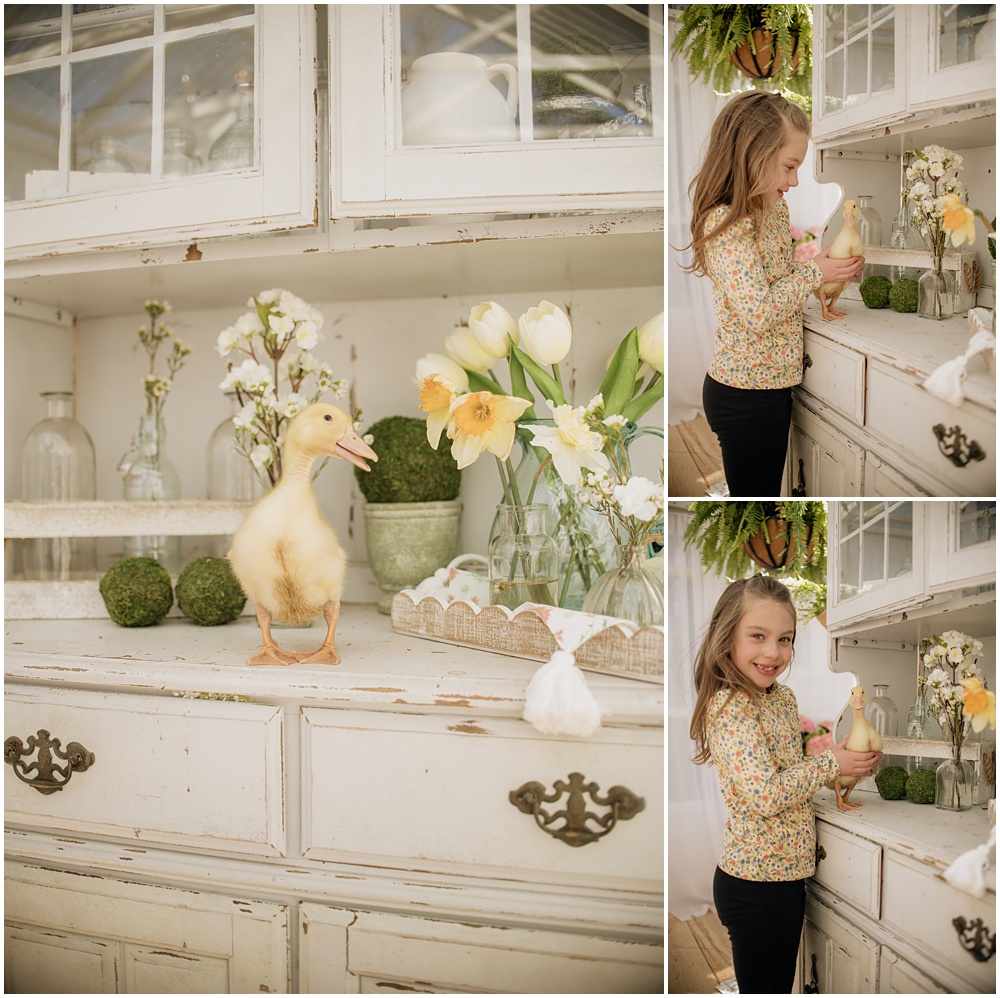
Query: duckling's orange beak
x=352, y=448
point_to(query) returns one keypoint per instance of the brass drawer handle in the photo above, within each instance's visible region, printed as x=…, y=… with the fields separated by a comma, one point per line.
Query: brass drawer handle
x=959, y=451
x=76, y=757
x=624, y=804
x=976, y=938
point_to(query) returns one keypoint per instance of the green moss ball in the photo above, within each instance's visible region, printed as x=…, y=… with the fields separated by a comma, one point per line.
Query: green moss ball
x=921, y=786
x=137, y=592
x=559, y=83
x=891, y=782
x=208, y=592
x=408, y=468
x=903, y=295
x=875, y=291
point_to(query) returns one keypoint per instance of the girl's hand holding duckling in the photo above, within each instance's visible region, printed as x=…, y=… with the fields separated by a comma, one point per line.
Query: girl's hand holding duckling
x=855, y=763
x=839, y=270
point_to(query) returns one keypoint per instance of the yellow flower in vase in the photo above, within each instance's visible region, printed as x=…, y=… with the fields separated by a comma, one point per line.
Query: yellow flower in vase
x=436, y=395
x=483, y=421
x=979, y=703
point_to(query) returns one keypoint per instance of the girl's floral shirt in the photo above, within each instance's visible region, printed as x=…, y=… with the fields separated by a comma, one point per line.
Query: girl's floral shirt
x=759, y=293
x=767, y=785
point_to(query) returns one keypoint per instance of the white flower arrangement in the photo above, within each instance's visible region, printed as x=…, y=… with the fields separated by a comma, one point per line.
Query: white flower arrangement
x=931, y=177
x=276, y=337
x=950, y=659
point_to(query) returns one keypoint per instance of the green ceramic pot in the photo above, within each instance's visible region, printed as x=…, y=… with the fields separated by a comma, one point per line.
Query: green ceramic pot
x=408, y=542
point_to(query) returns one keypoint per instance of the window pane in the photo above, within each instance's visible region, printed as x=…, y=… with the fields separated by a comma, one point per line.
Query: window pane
x=900, y=561
x=834, y=24
x=977, y=523
x=966, y=32
x=31, y=31
x=103, y=24
x=857, y=69
x=873, y=553
x=190, y=15
x=31, y=135
x=884, y=56
x=835, y=93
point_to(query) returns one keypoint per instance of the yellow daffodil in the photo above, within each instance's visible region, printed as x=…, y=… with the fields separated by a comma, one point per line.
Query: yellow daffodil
x=958, y=220
x=436, y=363
x=978, y=703
x=436, y=395
x=483, y=421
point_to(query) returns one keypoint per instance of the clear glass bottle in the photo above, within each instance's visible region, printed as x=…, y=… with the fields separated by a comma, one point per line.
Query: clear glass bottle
x=523, y=559
x=179, y=158
x=153, y=476
x=870, y=231
x=109, y=157
x=954, y=785
x=936, y=294
x=57, y=463
x=920, y=725
x=882, y=715
x=234, y=148
x=897, y=240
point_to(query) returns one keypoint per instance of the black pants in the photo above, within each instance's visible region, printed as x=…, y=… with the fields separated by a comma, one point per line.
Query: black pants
x=764, y=920
x=752, y=426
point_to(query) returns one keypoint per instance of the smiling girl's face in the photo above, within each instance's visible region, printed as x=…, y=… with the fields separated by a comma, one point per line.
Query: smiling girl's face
x=762, y=641
x=786, y=168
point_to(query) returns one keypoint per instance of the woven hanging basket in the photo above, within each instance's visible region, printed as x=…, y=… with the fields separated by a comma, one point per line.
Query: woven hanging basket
x=757, y=58
x=774, y=546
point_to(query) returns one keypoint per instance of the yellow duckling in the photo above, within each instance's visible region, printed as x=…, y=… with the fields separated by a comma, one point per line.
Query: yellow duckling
x=862, y=738
x=845, y=245
x=286, y=556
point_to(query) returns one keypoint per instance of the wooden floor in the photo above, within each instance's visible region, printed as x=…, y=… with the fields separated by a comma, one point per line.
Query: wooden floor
x=698, y=955
x=694, y=461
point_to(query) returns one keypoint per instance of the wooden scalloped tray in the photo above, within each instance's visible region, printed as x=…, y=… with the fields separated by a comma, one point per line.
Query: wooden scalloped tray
x=612, y=652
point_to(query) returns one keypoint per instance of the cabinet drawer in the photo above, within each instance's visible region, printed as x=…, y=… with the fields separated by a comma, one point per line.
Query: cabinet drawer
x=905, y=415
x=195, y=772
x=835, y=375
x=428, y=792
x=849, y=866
x=920, y=906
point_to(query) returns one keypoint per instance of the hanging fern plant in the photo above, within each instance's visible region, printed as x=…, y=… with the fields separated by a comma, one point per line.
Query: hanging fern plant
x=769, y=43
x=783, y=538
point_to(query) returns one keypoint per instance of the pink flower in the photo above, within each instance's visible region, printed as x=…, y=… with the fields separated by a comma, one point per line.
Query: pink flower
x=819, y=744
x=797, y=233
x=805, y=251
x=826, y=724
x=816, y=231
x=805, y=725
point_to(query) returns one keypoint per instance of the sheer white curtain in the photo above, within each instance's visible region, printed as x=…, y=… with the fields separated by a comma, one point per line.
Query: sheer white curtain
x=696, y=814
x=692, y=108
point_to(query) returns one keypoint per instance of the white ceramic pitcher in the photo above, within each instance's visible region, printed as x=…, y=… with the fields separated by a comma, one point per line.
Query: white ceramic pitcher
x=449, y=100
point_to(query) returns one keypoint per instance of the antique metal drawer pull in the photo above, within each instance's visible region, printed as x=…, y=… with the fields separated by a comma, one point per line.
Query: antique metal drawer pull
x=623, y=804
x=50, y=775
x=807, y=362
x=820, y=853
x=976, y=938
x=959, y=451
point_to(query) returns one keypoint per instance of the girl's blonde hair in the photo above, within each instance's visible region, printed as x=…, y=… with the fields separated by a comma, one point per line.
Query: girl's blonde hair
x=739, y=163
x=713, y=667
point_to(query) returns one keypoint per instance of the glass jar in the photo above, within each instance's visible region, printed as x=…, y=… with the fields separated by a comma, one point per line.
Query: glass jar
x=179, y=159
x=234, y=148
x=109, y=157
x=920, y=726
x=523, y=559
x=954, y=784
x=629, y=590
x=936, y=294
x=152, y=476
x=57, y=463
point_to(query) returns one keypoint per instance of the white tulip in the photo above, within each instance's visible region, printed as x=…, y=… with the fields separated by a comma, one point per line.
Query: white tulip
x=651, y=342
x=464, y=349
x=491, y=324
x=546, y=335
x=435, y=363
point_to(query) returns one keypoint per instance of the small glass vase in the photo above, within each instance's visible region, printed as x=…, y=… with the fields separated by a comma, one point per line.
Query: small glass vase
x=954, y=784
x=57, y=463
x=870, y=231
x=523, y=559
x=151, y=475
x=920, y=726
x=936, y=294
x=629, y=590
x=881, y=713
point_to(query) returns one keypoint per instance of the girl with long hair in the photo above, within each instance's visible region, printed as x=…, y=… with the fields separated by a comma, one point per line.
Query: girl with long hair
x=741, y=239
x=747, y=724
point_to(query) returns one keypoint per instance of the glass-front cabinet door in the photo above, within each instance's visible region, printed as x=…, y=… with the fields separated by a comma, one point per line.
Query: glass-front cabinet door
x=962, y=544
x=126, y=123
x=875, y=556
x=518, y=107
x=960, y=45
x=859, y=66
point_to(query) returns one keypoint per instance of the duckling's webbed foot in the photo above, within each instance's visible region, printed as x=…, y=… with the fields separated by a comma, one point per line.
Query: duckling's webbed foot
x=270, y=653
x=326, y=653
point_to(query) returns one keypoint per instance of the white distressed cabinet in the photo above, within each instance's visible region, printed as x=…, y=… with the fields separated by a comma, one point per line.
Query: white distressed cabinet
x=317, y=830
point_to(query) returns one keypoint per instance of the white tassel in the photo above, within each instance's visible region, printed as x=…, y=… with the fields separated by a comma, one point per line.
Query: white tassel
x=946, y=381
x=967, y=872
x=559, y=701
